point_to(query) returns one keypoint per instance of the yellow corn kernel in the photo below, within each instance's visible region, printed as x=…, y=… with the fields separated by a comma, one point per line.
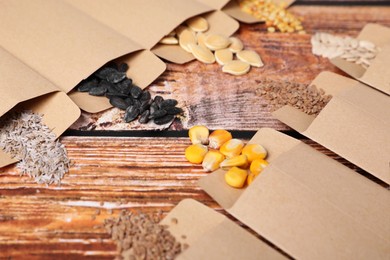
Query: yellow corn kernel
x=251, y=177
x=238, y=161
x=254, y=151
x=212, y=160
x=232, y=148
x=219, y=137
x=258, y=165
x=236, y=177
x=199, y=134
x=195, y=153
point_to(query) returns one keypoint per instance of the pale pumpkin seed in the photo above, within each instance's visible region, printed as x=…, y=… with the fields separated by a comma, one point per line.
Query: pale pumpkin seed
x=250, y=57
x=236, y=67
x=201, y=37
x=186, y=38
x=223, y=56
x=216, y=42
x=236, y=45
x=169, y=40
x=198, y=24
x=202, y=54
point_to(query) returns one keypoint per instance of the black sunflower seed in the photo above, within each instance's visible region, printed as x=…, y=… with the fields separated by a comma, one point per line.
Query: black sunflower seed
x=123, y=67
x=145, y=96
x=136, y=103
x=153, y=107
x=131, y=113
x=144, y=118
x=135, y=91
x=158, y=99
x=116, y=77
x=98, y=91
x=117, y=94
x=158, y=114
x=174, y=110
x=168, y=103
x=87, y=85
x=129, y=101
x=145, y=105
x=163, y=120
x=124, y=86
x=119, y=103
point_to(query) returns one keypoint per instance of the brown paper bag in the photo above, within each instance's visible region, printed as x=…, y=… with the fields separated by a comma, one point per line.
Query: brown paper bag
x=211, y=235
x=307, y=204
x=354, y=124
x=377, y=75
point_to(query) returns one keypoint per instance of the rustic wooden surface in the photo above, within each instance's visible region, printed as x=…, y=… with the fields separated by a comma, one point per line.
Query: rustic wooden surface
x=150, y=173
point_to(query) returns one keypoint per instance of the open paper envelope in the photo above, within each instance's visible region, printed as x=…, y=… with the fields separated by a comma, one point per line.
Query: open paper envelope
x=58, y=109
x=355, y=124
x=378, y=74
x=307, y=204
x=211, y=235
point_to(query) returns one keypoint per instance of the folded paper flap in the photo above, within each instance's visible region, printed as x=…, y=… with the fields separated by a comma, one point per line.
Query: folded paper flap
x=146, y=22
x=276, y=144
x=353, y=69
x=58, y=110
x=173, y=53
x=353, y=194
x=294, y=118
x=59, y=41
x=377, y=75
x=375, y=33
x=193, y=220
x=18, y=82
x=216, y=4
x=211, y=235
x=221, y=23
x=333, y=83
x=233, y=9
x=281, y=208
x=360, y=137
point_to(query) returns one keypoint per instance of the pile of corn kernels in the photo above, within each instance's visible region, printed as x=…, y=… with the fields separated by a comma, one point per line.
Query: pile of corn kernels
x=276, y=16
x=242, y=162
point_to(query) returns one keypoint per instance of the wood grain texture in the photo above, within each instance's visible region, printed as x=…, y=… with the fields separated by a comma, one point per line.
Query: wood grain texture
x=145, y=174
x=219, y=100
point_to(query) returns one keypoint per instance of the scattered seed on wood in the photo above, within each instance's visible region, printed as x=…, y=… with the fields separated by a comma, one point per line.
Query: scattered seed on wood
x=131, y=113
x=307, y=98
x=158, y=114
x=144, y=118
x=25, y=137
x=139, y=236
x=135, y=91
x=163, y=120
x=119, y=103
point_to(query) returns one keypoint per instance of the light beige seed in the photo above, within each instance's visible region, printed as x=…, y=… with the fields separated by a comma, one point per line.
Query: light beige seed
x=236, y=67
x=169, y=40
x=186, y=38
x=250, y=57
x=223, y=56
x=236, y=44
x=180, y=29
x=173, y=33
x=202, y=54
x=198, y=24
x=201, y=39
x=216, y=42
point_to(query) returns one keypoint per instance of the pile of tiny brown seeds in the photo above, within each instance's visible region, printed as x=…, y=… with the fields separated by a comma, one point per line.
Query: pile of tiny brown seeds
x=111, y=81
x=25, y=137
x=275, y=15
x=139, y=236
x=308, y=99
x=193, y=37
x=353, y=50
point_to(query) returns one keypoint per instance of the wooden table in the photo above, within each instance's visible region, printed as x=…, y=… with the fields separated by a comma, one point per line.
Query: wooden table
x=141, y=169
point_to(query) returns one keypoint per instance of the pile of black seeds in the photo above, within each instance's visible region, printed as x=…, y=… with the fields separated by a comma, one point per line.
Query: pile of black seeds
x=25, y=137
x=111, y=81
x=139, y=236
x=307, y=98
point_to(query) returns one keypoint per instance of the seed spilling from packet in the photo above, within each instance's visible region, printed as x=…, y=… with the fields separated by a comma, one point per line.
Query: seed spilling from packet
x=192, y=37
x=353, y=50
x=275, y=15
x=111, y=81
x=242, y=162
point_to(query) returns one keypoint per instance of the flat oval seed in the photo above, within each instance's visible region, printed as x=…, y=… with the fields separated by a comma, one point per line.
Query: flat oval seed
x=216, y=42
x=250, y=57
x=202, y=54
x=186, y=38
x=201, y=37
x=169, y=40
x=223, y=56
x=198, y=24
x=236, y=67
x=236, y=45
